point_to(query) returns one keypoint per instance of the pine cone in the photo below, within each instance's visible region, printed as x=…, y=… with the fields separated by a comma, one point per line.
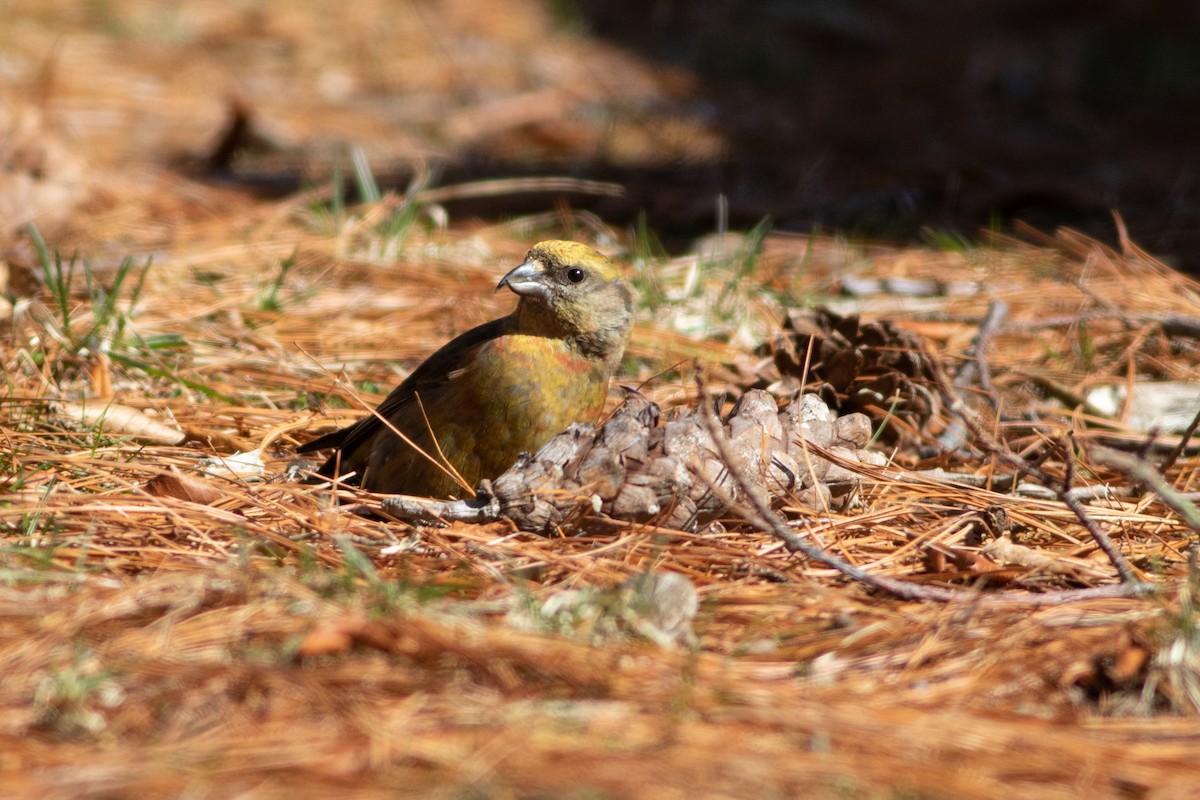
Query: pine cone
x=638, y=468
x=876, y=368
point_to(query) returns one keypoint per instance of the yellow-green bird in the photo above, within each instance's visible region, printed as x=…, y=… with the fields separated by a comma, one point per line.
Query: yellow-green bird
x=500, y=389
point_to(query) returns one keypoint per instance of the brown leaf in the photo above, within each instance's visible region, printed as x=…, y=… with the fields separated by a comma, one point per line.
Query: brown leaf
x=120, y=420
x=184, y=487
x=331, y=636
x=327, y=638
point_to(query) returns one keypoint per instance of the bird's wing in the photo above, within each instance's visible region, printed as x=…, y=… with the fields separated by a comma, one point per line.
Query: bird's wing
x=441, y=367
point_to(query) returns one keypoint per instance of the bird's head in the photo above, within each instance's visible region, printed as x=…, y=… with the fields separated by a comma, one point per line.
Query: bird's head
x=569, y=290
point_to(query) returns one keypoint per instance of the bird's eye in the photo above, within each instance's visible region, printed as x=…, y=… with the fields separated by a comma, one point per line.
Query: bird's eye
x=575, y=274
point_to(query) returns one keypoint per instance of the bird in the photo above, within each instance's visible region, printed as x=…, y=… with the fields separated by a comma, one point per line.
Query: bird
x=501, y=389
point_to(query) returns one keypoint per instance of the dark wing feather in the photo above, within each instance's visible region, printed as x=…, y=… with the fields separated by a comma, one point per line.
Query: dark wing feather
x=435, y=370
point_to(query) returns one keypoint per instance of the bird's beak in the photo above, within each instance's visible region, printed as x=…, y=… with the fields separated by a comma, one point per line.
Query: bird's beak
x=527, y=280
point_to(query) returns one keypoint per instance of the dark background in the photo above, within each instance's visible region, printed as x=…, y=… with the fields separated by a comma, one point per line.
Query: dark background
x=880, y=118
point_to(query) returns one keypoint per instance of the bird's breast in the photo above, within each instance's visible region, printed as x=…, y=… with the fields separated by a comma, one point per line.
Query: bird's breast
x=529, y=388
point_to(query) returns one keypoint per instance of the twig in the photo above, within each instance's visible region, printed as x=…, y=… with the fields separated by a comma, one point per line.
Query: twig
x=1179, y=325
x=1183, y=443
x=1004, y=483
x=505, y=186
x=484, y=508
x=976, y=369
x=1142, y=471
x=762, y=515
x=992, y=321
x=1061, y=488
x=1081, y=493
x=1069, y=398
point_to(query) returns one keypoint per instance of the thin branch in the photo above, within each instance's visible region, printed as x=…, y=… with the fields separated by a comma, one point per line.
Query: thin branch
x=1183, y=443
x=1143, y=472
x=1061, y=489
x=763, y=516
x=975, y=370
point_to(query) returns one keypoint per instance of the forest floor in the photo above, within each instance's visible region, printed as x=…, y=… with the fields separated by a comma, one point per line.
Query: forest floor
x=231, y=268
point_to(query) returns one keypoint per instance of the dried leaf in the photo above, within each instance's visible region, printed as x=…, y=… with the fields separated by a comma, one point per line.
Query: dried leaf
x=184, y=487
x=327, y=638
x=119, y=420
